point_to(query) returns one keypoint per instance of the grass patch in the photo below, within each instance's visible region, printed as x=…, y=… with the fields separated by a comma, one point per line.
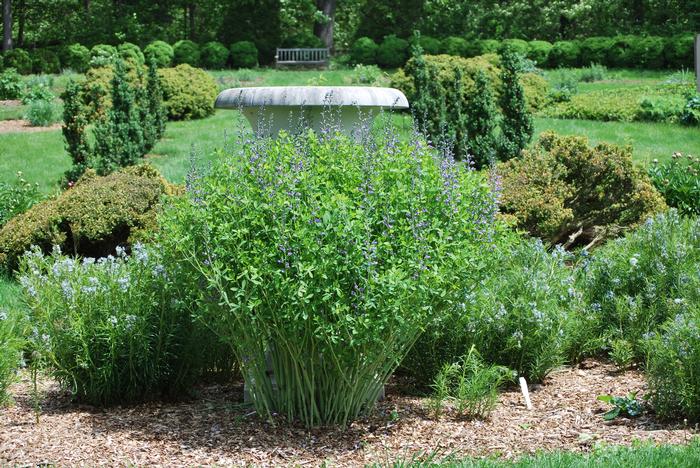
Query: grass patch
x=649, y=140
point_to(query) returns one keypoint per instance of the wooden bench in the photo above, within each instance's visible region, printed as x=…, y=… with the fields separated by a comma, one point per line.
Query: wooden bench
x=304, y=57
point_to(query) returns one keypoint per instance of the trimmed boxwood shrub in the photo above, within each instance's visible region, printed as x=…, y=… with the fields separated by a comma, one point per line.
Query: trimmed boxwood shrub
x=129, y=51
x=92, y=218
x=214, y=55
x=678, y=51
x=161, y=52
x=392, y=52
x=188, y=92
x=566, y=192
x=518, y=46
x=186, y=51
x=430, y=45
x=489, y=46
x=364, y=51
x=538, y=52
x=621, y=52
x=45, y=61
x=648, y=52
x=19, y=59
x=76, y=57
x=595, y=50
x=102, y=55
x=453, y=46
x=244, y=54
x=565, y=54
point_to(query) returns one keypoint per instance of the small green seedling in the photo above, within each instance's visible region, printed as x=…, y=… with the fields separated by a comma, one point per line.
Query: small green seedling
x=627, y=406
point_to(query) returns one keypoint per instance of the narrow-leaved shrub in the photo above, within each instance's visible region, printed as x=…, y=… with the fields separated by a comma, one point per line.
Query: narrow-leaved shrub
x=41, y=113
x=358, y=244
x=17, y=197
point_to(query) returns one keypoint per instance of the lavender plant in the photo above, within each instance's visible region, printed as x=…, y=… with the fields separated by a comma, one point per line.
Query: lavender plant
x=330, y=255
x=117, y=329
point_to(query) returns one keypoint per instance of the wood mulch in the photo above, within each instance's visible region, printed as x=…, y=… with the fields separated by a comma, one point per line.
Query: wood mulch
x=22, y=126
x=216, y=428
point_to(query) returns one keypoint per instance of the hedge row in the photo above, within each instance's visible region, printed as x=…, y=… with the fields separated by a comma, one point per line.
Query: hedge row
x=212, y=55
x=615, y=52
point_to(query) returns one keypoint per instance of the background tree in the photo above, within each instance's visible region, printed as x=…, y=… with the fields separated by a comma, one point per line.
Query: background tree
x=6, y=25
x=516, y=125
x=323, y=27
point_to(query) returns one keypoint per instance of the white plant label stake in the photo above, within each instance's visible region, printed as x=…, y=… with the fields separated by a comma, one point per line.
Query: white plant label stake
x=526, y=394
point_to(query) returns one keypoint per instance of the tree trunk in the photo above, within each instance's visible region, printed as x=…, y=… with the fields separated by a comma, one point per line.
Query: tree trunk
x=21, y=22
x=6, y=25
x=324, y=31
x=86, y=5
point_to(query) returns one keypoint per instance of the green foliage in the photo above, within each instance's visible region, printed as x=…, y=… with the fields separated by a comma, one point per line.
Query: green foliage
x=352, y=256
x=620, y=52
x=489, y=46
x=516, y=124
x=565, y=192
x=565, y=54
x=91, y=219
x=482, y=122
x=16, y=197
x=469, y=385
x=244, y=54
x=392, y=52
x=303, y=41
x=663, y=103
x=678, y=51
x=538, y=52
x=593, y=72
x=11, y=345
x=595, y=50
x=516, y=46
x=45, y=61
x=621, y=353
x=117, y=330
x=19, y=59
x=678, y=180
x=119, y=140
x=129, y=51
x=41, y=113
x=156, y=116
x=453, y=46
x=161, y=52
x=214, y=55
x=37, y=89
x=186, y=51
x=516, y=305
x=74, y=131
x=11, y=84
x=364, y=51
x=188, y=93
x=369, y=74
x=634, y=284
x=627, y=406
x=430, y=45
x=102, y=55
x=690, y=115
x=673, y=359
x=257, y=21
x=77, y=58
x=649, y=52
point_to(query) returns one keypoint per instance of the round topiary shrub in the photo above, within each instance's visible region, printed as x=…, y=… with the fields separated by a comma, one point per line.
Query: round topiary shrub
x=678, y=51
x=186, y=51
x=517, y=46
x=90, y=219
x=430, y=45
x=538, y=52
x=214, y=55
x=161, y=52
x=18, y=59
x=595, y=50
x=244, y=54
x=355, y=252
x=648, y=52
x=188, y=92
x=364, y=51
x=77, y=58
x=102, y=55
x=565, y=54
x=620, y=53
x=453, y=46
x=489, y=46
x=129, y=51
x=45, y=61
x=392, y=52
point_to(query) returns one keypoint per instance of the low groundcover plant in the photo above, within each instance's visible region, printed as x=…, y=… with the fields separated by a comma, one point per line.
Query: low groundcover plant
x=330, y=256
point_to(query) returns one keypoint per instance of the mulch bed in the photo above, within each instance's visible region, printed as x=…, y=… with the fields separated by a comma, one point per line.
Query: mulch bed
x=19, y=125
x=216, y=428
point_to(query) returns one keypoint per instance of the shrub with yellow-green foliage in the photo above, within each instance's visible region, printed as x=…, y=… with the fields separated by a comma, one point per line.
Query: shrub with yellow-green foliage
x=566, y=192
x=90, y=219
x=188, y=92
x=96, y=89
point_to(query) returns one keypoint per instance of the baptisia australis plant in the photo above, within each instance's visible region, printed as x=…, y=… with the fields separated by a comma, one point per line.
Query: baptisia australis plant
x=330, y=255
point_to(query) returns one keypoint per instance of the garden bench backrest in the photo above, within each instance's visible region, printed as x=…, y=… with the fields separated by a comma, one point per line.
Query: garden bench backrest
x=302, y=56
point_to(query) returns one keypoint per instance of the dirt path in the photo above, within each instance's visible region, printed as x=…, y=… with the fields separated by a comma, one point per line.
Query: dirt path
x=23, y=126
x=217, y=428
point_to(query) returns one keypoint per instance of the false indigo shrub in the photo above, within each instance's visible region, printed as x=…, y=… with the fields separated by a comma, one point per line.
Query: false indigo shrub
x=118, y=329
x=634, y=284
x=672, y=366
x=330, y=255
x=515, y=309
x=11, y=344
x=678, y=180
x=41, y=113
